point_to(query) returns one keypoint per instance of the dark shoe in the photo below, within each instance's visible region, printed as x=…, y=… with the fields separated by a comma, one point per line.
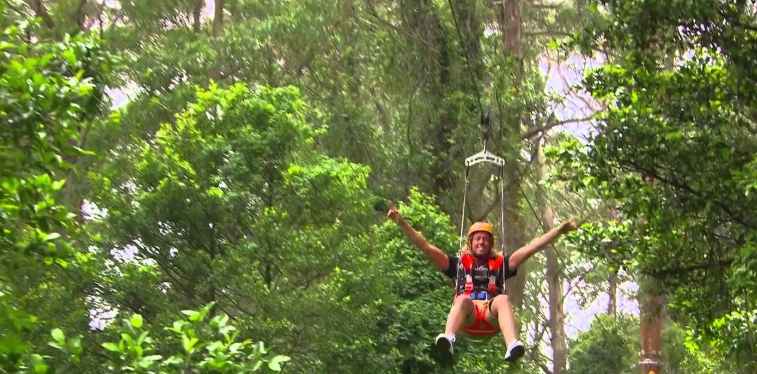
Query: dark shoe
x=444, y=346
x=515, y=351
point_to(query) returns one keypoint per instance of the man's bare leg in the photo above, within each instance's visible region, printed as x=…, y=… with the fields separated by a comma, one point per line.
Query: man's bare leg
x=461, y=309
x=503, y=312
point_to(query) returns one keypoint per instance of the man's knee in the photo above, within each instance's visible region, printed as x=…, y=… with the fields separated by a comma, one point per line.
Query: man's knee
x=498, y=303
x=501, y=299
x=463, y=301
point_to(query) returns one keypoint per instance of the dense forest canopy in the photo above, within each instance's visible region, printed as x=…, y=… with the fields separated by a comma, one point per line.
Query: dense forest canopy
x=203, y=186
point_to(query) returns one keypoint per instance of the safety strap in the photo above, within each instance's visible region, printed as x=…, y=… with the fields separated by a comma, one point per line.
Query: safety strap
x=502, y=219
x=467, y=264
x=462, y=227
x=462, y=215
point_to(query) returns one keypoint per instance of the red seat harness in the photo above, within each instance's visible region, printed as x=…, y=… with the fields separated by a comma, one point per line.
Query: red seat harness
x=480, y=327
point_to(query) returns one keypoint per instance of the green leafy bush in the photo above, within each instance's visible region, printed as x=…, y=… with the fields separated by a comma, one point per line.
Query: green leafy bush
x=202, y=344
x=49, y=91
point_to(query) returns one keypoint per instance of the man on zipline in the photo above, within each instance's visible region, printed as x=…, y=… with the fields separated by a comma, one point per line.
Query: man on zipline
x=481, y=309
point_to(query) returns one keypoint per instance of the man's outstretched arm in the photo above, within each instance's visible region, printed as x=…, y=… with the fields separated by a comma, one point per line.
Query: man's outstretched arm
x=439, y=258
x=524, y=253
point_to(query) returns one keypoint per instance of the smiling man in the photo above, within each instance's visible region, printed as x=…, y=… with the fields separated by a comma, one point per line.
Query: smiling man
x=481, y=308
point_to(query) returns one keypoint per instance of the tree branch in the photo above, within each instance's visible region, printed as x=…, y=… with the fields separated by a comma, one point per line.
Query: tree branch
x=547, y=33
x=41, y=12
x=80, y=17
x=374, y=14
x=535, y=350
x=543, y=367
x=561, y=5
x=548, y=6
x=573, y=285
x=686, y=269
x=681, y=186
x=572, y=89
x=552, y=123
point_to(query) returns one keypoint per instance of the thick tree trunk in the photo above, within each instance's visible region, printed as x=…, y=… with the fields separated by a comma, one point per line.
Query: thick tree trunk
x=423, y=23
x=444, y=65
x=441, y=168
x=218, y=18
x=554, y=277
x=39, y=9
x=650, y=307
x=511, y=25
x=471, y=30
x=215, y=72
x=197, y=14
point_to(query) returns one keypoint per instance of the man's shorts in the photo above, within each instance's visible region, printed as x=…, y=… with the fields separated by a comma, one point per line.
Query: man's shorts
x=480, y=323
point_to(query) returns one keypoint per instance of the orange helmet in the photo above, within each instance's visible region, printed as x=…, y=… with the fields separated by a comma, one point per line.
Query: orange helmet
x=481, y=226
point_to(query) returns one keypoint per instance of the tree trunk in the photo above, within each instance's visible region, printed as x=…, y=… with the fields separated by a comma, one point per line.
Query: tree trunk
x=472, y=30
x=441, y=169
x=197, y=14
x=71, y=195
x=612, y=292
x=445, y=64
x=39, y=9
x=612, y=289
x=650, y=307
x=511, y=25
x=215, y=71
x=554, y=277
x=218, y=18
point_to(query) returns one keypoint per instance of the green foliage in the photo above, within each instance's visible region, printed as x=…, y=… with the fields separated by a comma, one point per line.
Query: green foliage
x=196, y=343
x=230, y=204
x=48, y=92
x=225, y=194
x=204, y=345
x=676, y=151
x=682, y=356
x=610, y=346
x=414, y=315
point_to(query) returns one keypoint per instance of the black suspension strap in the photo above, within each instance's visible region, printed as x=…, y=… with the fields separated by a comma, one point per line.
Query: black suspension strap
x=502, y=206
x=462, y=216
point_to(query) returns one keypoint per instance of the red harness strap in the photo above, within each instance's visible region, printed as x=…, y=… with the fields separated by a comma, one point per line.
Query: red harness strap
x=494, y=265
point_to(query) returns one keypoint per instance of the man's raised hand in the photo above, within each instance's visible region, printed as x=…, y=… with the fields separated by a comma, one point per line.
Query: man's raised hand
x=568, y=226
x=394, y=214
